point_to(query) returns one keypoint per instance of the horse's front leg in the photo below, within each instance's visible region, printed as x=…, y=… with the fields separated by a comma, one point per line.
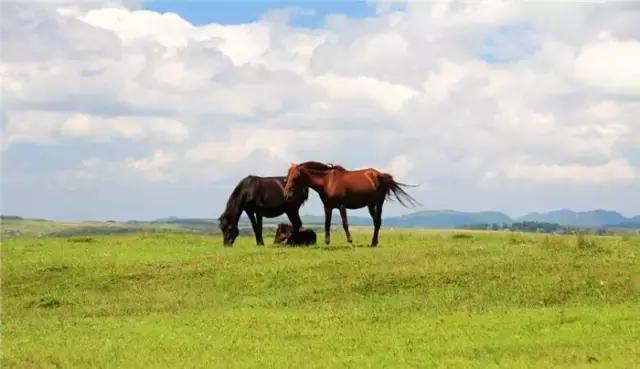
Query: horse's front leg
x=256, y=224
x=327, y=224
x=295, y=220
x=259, y=226
x=345, y=223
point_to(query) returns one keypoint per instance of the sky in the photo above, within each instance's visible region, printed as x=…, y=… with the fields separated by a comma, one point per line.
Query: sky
x=142, y=110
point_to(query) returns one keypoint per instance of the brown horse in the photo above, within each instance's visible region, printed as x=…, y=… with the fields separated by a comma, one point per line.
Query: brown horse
x=347, y=189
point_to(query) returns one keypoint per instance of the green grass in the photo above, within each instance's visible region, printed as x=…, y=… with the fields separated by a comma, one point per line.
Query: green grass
x=47, y=228
x=422, y=299
x=12, y=228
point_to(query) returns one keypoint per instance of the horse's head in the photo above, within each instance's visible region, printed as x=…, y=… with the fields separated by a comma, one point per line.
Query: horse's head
x=296, y=181
x=283, y=232
x=229, y=231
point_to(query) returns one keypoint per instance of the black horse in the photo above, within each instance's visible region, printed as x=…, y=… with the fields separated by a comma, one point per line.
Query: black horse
x=258, y=197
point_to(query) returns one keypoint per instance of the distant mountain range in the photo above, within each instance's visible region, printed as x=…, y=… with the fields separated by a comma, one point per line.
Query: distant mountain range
x=457, y=219
x=593, y=218
x=447, y=219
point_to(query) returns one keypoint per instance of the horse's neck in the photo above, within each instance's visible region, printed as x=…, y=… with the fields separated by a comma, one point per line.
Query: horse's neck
x=318, y=180
x=232, y=213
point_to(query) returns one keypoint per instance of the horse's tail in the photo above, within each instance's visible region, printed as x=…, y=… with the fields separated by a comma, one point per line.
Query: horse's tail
x=395, y=190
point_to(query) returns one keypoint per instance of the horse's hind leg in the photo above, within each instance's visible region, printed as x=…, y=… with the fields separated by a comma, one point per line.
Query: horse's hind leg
x=345, y=223
x=256, y=224
x=373, y=213
x=327, y=224
x=375, y=210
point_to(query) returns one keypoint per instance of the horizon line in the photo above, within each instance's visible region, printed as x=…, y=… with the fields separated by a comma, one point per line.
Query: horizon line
x=145, y=219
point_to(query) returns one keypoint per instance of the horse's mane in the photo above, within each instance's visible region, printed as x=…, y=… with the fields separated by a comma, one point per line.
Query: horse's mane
x=245, y=190
x=315, y=165
x=233, y=205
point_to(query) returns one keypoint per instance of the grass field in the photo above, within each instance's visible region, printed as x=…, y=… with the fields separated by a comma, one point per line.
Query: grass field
x=423, y=299
x=12, y=228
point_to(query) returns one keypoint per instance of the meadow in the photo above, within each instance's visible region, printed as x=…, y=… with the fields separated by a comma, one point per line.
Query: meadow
x=422, y=299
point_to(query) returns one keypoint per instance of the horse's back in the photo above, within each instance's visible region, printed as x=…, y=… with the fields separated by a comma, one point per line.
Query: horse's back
x=362, y=171
x=354, y=189
x=263, y=180
x=367, y=178
x=266, y=195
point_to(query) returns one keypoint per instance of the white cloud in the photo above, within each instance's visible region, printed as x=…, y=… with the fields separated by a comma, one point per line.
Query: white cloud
x=605, y=110
x=151, y=167
x=129, y=128
x=30, y=126
x=390, y=97
x=244, y=141
x=241, y=43
x=48, y=127
x=167, y=29
x=400, y=166
x=159, y=166
x=413, y=90
x=614, y=171
x=611, y=65
x=439, y=85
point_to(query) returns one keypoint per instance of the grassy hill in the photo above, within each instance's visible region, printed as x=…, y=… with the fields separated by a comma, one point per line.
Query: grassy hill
x=437, y=299
x=16, y=227
x=13, y=226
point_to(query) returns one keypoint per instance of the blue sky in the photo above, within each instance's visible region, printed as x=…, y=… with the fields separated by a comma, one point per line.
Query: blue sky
x=244, y=11
x=507, y=43
x=130, y=114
